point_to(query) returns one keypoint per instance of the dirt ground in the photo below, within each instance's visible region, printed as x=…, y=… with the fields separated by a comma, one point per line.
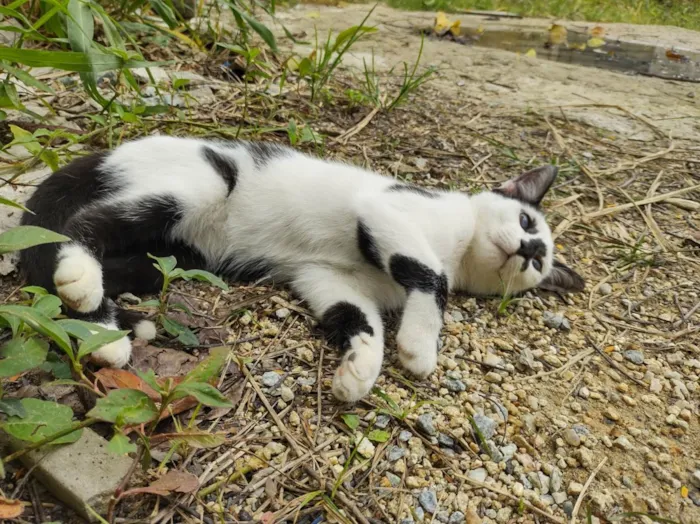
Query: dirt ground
x=588, y=405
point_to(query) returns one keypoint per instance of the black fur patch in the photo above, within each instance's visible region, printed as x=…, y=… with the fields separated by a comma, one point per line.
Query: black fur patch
x=225, y=166
x=342, y=321
x=263, y=152
x=413, y=189
x=412, y=274
x=368, y=246
x=532, y=248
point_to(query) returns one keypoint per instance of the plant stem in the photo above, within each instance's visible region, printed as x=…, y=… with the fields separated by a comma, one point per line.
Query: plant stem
x=17, y=454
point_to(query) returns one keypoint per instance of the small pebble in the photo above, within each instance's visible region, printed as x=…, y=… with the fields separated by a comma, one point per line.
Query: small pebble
x=486, y=425
x=634, y=356
x=695, y=478
x=446, y=441
x=574, y=488
x=611, y=414
x=365, y=448
x=382, y=421
x=394, y=480
x=428, y=500
x=623, y=443
x=405, y=435
x=493, y=377
x=270, y=379
x=478, y=474
x=605, y=288
x=455, y=385
x=572, y=438
x=287, y=394
x=424, y=423
x=395, y=453
x=456, y=518
x=282, y=313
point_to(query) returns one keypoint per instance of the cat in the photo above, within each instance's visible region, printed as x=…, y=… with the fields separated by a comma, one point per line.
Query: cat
x=351, y=243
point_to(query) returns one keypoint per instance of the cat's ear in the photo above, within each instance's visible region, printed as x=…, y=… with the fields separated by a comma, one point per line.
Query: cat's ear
x=531, y=186
x=563, y=279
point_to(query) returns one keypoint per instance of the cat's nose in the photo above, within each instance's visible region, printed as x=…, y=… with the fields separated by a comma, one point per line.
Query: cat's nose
x=531, y=248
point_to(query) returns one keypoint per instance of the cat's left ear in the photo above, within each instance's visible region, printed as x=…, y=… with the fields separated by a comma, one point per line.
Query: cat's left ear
x=531, y=186
x=563, y=279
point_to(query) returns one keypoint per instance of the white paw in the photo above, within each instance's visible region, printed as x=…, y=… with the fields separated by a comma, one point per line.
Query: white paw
x=359, y=369
x=78, y=279
x=417, y=350
x=145, y=330
x=115, y=354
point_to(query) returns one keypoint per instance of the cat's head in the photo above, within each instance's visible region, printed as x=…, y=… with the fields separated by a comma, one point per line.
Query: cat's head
x=512, y=248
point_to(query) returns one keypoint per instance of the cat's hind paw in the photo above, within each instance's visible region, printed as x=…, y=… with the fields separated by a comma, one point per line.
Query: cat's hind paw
x=78, y=279
x=115, y=354
x=359, y=369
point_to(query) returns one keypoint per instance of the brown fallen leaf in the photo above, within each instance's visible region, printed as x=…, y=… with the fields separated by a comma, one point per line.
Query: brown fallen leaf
x=675, y=57
x=122, y=379
x=164, y=362
x=173, y=480
x=10, y=509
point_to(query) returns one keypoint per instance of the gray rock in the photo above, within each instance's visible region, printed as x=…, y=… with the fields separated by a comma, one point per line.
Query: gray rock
x=581, y=429
x=478, y=474
x=559, y=497
x=282, y=313
x=382, y=421
x=456, y=518
x=270, y=379
x=553, y=320
x=605, y=288
x=395, y=453
x=568, y=508
x=486, y=425
x=446, y=441
x=405, y=435
x=695, y=478
x=286, y=394
x=424, y=423
x=571, y=437
x=634, y=356
x=547, y=499
x=394, y=480
x=495, y=453
x=428, y=500
x=82, y=474
x=419, y=513
x=443, y=516
x=509, y=451
x=455, y=385
x=555, y=480
x=623, y=442
x=407, y=521
x=526, y=359
x=694, y=495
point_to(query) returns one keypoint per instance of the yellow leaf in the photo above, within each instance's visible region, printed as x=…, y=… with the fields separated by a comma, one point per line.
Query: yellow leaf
x=609, y=349
x=557, y=35
x=454, y=28
x=444, y=24
x=578, y=47
x=560, y=247
x=180, y=36
x=596, y=42
x=684, y=492
x=314, y=14
x=531, y=53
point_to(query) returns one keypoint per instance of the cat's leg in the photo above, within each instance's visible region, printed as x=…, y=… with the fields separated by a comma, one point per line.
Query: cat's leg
x=389, y=241
x=350, y=321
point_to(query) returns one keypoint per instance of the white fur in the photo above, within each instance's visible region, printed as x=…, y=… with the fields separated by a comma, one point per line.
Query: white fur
x=114, y=355
x=301, y=215
x=78, y=278
x=145, y=330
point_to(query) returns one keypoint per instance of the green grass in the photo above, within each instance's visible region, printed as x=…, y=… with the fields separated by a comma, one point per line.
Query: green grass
x=681, y=13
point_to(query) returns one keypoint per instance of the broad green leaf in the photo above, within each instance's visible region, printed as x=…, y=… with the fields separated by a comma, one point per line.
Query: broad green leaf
x=111, y=31
x=386, y=398
x=378, y=435
x=49, y=305
x=80, y=26
x=258, y=27
x=54, y=365
x=125, y=407
x=42, y=419
x=25, y=139
x=183, y=333
x=180, y=306
x=351, y=420
x=70, y=60
x=50, y=158
x=98, y=340
x=12, y=407
x=203, y=392
x=12, y=203
x=21, y=355
x=164, y=264
x=351, y=33
x=210, y=367
x=41, y=323
x=150, y=303
x=204, y=276
x=35, y=290
x=149, y=377
x=22, y=237
x=120, y=444
x=9, y=96
x=80, y=329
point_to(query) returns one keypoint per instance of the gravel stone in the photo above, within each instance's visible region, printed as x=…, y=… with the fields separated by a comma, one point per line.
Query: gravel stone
x=623, y=442
x=428, y=500
x=478, y=474
x=270, y=379
x=365, y=448
x=574, y=488
x=568, y=508
x=394, y=480
x=382, y=421
x=405, y=435
x=446, y=441
x=555, y=321
x=456, y=518
x=286, y=393
x=282, y=313
x=555, y=480
x=611, y=414
x=486, y=425
x=572, y=438
x=605, y=288
x=424, y=423
x=695, y=478
x=493, y=377
x=395, y=453
x=634, y=356
x=455, y=385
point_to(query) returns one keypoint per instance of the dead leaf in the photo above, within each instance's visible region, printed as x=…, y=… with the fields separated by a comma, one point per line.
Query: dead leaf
x=173, y=480
x=578, y=47
x=164, y=362
x=531, y=53
x=195, y=439
x=597, y=31
x=675, y=57
x=122, y=379
x=557, y=35
x=443, y=25
x=10, y=509
x=595, y=42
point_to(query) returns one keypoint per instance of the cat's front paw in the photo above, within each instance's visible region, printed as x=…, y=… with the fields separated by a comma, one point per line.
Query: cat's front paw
x=78, y=279
x=359, y=369
x=417, y=351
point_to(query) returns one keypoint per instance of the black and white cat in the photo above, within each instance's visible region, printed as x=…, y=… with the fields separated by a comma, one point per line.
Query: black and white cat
x=350, y=242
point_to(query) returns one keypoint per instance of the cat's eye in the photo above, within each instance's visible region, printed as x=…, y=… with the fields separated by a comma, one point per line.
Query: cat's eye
x=525, y=221
x=537, y=264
